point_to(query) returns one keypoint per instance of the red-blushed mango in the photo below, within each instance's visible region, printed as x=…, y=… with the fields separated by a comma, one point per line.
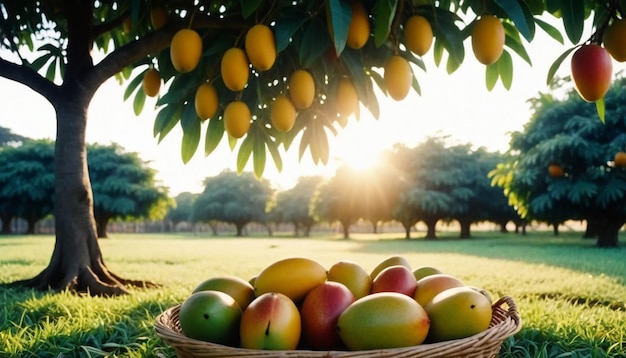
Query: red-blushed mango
x=319, y=313
x=396, y=278
x=592, y=71
x=272, y=321
x=429, y=286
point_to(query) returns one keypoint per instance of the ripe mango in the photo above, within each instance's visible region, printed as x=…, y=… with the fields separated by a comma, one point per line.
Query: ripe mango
x=390, y=261
x=272, y=321
x=211, y=316
x=353, y=276
x=430, y=286
x=292, y=276
x=457, y=313
x=383, y=320
x=236, y=287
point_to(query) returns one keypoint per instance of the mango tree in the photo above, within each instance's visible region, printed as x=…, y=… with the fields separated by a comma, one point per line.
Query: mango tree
x=294, y=205
x=570, y=166
x=65, y=50
x=124, y=187
x=233, y=198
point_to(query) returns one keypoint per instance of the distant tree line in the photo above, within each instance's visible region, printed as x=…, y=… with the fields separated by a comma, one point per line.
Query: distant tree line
x=123, y=185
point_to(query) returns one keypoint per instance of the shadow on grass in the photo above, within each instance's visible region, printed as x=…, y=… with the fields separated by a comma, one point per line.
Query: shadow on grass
x=567, y=250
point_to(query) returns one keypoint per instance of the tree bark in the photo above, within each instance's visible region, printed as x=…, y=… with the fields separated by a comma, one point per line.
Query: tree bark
x=431, y=224
x=465, y=229
x=608, y=232
x=346, y=229
x=102, y=222
x=6, y=224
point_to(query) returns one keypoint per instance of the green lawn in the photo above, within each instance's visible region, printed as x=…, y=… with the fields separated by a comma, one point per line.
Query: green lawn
x=570, y=294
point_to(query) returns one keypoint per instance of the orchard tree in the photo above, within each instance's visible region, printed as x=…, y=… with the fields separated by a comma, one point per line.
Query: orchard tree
x=233, y=198
x=181, y=210
x=26, y=183
x=294, y=205
x=569, y=166
x=52, y=47
x=124, y=187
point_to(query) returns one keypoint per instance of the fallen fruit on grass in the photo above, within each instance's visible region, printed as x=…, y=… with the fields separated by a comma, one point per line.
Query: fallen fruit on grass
x=592, y=69
x=383, y=320
x=457, y=313
x=210, y=316
x=319, y=314
x=352, y=275
x=488, y=39
x=237, y=288
x=292, y=276
x=271, y=321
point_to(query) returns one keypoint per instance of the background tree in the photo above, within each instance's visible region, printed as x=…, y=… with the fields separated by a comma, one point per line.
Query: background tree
x=124, y=187
x=233, y=198
x=26, y=183
x=293, y=205
x=65, y=34
x=181, y=210
x=7, y=137
x=379, y=187
x=340, y=199
x=589, y=183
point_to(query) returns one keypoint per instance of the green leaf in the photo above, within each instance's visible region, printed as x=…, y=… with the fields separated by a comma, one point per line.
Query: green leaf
x=41, y=61
x=517, y=13
x=314, y=43
x=214, y=135
x=305, y=141
x=513, y=41
x=557, y=63
x=284, y=29
x=191, y=133
x=600, y=107
x=383, y=13
x=258, y=154
x=491, y=76
x=139, y=101
x=550, y=30
x=339, y=15
x=505, y=69
x=273, y=149
x=248, y=7
x=51, y=72
x=244, y=153
x=573, y=14
x=167, y=119
x=132, y=85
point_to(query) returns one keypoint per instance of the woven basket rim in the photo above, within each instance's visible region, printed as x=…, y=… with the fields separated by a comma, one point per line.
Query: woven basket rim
x=506, y=322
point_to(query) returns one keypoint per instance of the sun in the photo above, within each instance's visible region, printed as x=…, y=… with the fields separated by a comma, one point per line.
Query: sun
x=359, y=146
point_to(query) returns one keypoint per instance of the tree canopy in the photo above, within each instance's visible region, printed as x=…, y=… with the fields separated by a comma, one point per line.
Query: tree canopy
x=590, y=183
x=51, y=47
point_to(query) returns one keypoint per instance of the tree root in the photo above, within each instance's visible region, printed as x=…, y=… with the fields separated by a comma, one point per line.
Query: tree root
x=84, y=281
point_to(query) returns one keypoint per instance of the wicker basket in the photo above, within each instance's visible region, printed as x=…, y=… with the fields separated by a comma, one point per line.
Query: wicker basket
x=506, y=322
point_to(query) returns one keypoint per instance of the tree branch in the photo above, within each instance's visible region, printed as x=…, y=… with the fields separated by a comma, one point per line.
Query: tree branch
x=30, y=78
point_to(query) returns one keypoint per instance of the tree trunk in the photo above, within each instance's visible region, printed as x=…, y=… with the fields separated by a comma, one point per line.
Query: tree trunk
x=591, y=231
x=346, y=229
x=555, y=229
x=407, y=231
x=102, y=221
x=240, y=227
x=608, y=232
x=431, y=224
x=465, y=229
x=30, y=226
x=76, y=264
x=6, y=224
x=375, y=226
x=503, y=229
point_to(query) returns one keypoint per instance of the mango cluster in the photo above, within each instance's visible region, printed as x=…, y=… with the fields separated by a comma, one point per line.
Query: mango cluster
x=296, y=303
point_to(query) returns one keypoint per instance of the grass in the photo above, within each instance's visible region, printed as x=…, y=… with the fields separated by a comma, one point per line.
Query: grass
x=570, y=294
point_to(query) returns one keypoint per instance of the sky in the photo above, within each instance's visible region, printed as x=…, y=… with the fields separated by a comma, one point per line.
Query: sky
x=456, y=105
